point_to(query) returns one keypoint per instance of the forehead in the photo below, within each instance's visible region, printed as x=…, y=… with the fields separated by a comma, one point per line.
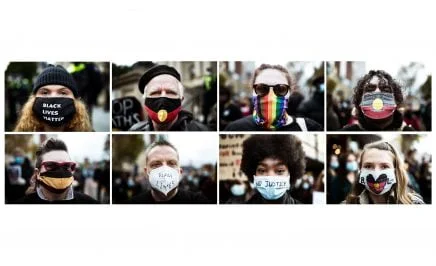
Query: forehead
x=351, y=156
x=271, y=77
x=377, y=156
x=271, y=162
x=377, y=80
x=54, y=87
x=57, y=156
x=164, y=80
x=162, y=153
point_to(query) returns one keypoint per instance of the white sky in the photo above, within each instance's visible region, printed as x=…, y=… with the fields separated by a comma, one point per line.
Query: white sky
x=195, y=148
x=392, y=67
x=81, y=145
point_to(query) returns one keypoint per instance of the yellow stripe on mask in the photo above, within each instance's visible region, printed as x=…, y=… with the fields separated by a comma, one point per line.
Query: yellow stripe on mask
x=55, y=182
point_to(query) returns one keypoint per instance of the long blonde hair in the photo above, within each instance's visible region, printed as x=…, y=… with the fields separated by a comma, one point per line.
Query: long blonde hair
x=401, y=192
x=29, y=122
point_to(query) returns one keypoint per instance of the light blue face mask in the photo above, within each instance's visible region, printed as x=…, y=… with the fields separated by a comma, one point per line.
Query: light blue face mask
x=352, y=166
x=334, y=164
x=272, y=187
x=238, y=190
x=19, y=159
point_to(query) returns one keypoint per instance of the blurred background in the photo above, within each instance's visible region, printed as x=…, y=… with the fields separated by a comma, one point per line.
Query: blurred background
x=235, y=91
x=198, y=77
x=92, y=174
x=414, y=78
x=308, y=189
x=197, y=159
x=92, y=79
x=344, y=150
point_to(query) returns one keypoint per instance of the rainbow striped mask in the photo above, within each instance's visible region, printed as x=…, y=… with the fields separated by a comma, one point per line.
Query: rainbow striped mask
x=270, y=110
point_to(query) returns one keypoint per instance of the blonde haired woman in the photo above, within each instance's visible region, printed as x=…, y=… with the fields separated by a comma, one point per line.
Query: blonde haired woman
x=382, y=178
x=54, y=104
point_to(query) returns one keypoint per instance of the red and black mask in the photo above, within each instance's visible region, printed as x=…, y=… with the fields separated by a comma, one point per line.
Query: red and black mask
x=163, y=109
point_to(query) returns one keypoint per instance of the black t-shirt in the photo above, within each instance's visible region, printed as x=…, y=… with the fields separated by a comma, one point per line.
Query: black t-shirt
x=247, y=124
x=79, y=198
x=182, y=197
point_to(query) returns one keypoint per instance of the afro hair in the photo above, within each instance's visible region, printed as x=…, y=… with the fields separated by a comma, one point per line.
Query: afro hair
x=287, y=148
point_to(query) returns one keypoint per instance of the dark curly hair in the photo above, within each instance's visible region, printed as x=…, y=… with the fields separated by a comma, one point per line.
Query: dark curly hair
x=395, y=88
x=363, y=82
x=287, y=148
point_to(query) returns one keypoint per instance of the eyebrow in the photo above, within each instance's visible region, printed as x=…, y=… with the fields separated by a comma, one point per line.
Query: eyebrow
x=276, y=164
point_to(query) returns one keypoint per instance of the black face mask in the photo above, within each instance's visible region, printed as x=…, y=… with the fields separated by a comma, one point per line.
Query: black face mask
x=54, y=111
x=163, y=109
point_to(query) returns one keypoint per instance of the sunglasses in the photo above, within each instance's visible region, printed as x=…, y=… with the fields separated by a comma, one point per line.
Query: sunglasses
x=263, y=89
x=50, y=166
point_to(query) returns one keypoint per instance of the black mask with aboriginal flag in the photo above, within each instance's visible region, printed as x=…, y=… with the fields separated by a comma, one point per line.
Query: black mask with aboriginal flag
x=57, y=180
x=163, y=109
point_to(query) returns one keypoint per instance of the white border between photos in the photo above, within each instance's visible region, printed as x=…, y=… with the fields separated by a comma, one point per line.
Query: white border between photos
x=224, y=234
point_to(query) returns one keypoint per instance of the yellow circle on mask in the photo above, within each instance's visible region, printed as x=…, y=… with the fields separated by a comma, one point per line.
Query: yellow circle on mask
x=377, y=104
x=162, y=115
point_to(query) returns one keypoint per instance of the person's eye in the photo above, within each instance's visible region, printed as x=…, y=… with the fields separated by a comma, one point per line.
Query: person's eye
x=155, y=165
x=280, y=171
x=261, y=170
x=385, y=88
x=367, y=166
x=385, y=166
x=44, y=92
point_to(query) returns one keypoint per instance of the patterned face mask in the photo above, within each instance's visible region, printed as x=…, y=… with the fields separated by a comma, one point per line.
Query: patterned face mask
x=378, y=105
x=270, y=110
x=377, y=182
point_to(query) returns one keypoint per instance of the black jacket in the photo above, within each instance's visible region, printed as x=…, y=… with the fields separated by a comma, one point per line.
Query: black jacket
x=182, y=197
x=247, y=124
x=356, y=127
x=185, y=122
x=285, y=199
x=79, y=198
x=397, y=124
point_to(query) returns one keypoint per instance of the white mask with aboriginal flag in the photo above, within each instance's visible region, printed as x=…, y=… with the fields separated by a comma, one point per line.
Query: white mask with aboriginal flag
x=377, y=182
x=57, y=180
x=378, y=105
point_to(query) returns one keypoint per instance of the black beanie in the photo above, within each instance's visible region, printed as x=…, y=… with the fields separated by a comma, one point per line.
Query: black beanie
x=156, y=71
x=56, y=75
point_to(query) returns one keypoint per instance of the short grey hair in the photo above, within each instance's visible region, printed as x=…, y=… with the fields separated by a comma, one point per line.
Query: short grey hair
x=160, y=142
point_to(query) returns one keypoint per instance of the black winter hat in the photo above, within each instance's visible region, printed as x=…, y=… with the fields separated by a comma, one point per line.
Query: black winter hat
x=56, y=75
x=156, y=71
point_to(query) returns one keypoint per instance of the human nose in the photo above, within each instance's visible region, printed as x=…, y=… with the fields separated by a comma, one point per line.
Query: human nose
x=270, y=172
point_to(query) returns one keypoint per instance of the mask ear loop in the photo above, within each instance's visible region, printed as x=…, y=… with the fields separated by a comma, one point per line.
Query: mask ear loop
x=394, y=186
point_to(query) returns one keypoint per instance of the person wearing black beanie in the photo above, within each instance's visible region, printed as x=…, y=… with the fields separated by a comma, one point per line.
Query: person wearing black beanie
x=163, y=94
x=54, y=104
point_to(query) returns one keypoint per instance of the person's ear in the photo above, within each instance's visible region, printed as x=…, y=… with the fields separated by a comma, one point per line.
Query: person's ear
x=145, y=171
x=36, y=171
x=180, y=170
x=183, y=97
